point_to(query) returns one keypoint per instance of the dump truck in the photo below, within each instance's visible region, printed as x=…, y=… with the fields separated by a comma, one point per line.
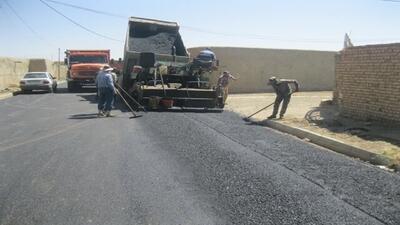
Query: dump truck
x=83, y=66
x=158, y=70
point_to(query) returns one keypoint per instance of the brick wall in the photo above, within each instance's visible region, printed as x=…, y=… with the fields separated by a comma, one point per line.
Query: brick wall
x=368, y=82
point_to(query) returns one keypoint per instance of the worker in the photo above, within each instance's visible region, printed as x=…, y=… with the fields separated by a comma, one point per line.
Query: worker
x=106, y=90
x=223, y=82
x=284, y=91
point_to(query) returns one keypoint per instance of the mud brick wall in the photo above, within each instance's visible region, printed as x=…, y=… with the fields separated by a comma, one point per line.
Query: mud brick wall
x=368, y=82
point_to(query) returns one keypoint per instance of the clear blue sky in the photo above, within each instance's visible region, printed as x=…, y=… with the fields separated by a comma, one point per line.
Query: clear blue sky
x=290, y=24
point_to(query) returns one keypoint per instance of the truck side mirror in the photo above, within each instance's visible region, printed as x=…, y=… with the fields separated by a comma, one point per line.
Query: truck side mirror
x=65, y=61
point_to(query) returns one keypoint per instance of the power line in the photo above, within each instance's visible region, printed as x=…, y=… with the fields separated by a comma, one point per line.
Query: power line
x=25, y=23
x=21, y=19
x=78, y=24
x=200, y=30
x=195, y=29
x=88, y=9
x=259, y=37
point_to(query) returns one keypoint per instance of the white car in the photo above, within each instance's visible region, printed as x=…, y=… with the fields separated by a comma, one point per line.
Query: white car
x=38, y=81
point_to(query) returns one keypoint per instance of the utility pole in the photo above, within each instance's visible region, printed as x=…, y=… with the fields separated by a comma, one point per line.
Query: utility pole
x=59, y=62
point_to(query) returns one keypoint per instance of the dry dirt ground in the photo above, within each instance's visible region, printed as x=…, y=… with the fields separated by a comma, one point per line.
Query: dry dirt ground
x=312, y=111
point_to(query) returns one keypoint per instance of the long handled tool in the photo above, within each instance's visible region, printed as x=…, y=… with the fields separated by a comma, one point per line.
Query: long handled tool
x=133, y=99
x=247, y=119
x=127, y=104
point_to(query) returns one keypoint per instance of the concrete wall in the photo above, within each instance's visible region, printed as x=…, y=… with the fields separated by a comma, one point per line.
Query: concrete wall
x=13, y=69
x=368, y=82
x=313, y=69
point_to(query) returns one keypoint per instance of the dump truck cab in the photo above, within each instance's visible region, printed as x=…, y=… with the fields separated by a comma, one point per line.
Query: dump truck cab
x=158, y=69
x=83, y=66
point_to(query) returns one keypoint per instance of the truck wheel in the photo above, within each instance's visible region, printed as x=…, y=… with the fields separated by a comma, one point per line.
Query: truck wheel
x=220, y=103
x=70, y=86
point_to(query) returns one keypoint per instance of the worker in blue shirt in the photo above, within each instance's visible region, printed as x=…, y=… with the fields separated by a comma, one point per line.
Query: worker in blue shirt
x=106, y=90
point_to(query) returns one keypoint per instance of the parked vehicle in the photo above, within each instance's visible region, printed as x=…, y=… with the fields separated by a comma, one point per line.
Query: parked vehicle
x=83, y=66
x=38, y=81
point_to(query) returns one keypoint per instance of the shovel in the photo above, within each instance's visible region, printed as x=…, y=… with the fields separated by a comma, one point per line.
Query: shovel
x=247, y=119
x=127, y=104
x=133, y=99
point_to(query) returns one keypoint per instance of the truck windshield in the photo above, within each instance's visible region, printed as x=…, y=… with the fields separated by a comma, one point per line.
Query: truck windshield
x=87, y=59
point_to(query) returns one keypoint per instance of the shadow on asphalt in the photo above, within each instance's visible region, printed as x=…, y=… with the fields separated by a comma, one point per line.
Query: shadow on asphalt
x=92, y=99
x=30, y=93
x=188, y=110
x=62, y=90
x=84, y=116
x=119, y=105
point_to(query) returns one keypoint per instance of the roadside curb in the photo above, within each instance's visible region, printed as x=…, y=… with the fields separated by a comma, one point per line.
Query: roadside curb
x=9, y=94
x=6, y=95
x=332, y=144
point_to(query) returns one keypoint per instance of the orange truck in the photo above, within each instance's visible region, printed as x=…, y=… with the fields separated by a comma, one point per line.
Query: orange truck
x=83, y=66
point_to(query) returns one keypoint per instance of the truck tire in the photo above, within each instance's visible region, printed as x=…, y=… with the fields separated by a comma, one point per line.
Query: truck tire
x=220, y=103
x=70, y=86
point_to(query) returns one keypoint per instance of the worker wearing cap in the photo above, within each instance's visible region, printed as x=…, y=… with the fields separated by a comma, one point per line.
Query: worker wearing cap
x=106, y=90
x=223, y=81
x=284, y=91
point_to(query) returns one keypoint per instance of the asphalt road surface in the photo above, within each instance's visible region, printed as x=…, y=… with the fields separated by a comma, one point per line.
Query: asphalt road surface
x=59, y=164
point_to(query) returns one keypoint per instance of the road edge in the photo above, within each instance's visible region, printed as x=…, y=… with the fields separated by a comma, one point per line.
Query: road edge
x=6, y=95
x=332, y=144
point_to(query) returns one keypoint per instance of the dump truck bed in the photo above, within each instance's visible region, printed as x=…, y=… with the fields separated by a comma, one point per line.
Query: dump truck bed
x=152, y=45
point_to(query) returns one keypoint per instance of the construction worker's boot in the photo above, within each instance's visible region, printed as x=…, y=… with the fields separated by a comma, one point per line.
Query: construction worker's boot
x=271, y=117
x=281, y=117
x=108, y=114
x=100, y=114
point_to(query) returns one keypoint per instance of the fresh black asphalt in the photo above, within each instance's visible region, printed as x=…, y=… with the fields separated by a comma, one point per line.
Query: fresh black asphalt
x=60, y=164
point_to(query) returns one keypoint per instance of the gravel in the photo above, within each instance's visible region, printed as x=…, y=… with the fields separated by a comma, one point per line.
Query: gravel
x=160, y=43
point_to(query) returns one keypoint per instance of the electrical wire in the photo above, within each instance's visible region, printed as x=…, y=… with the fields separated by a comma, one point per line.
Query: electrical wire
x=25, y=23
x=21, y=19
x=259, y=37
x=78, y=24
x=195, y=29
x=88, y=9
x=398, y=1
x=204, y=31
